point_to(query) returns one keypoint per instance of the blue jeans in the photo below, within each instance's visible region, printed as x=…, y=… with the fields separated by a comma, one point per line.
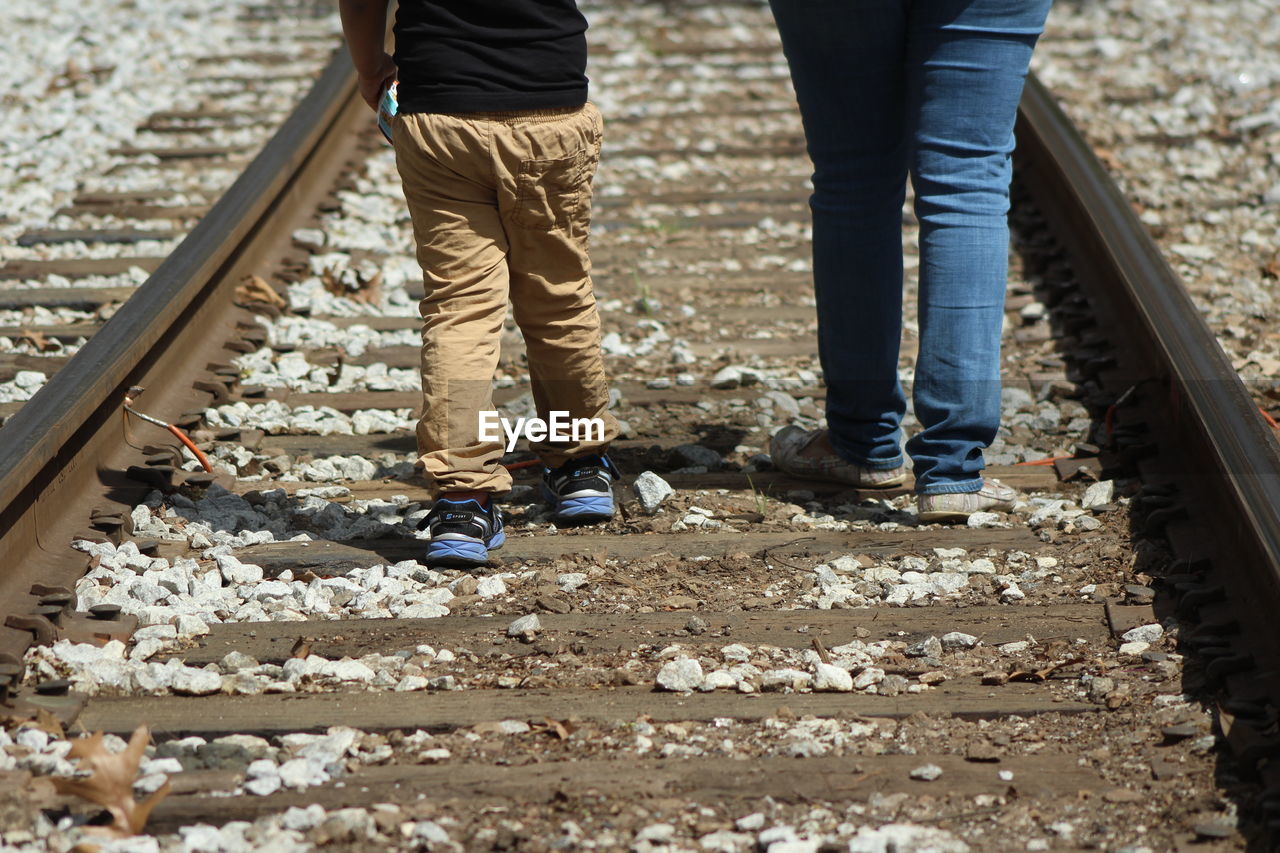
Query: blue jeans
x=928, y=88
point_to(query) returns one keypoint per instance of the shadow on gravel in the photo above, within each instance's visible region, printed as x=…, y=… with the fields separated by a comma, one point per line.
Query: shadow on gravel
x=1120, y=448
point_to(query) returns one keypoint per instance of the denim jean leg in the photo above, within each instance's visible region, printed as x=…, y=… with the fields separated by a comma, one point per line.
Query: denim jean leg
x=846, y=62
x=967, y=62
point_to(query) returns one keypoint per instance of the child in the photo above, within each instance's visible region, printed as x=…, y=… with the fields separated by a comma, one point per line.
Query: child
x=496, y=146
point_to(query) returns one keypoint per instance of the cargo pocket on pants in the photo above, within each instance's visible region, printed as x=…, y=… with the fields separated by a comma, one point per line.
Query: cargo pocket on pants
x=548, y=192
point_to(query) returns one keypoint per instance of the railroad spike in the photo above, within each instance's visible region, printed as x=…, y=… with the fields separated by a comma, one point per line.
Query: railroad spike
x=149, y=547
x=44, y=631
x=221, y=393
x=105, y=612
x=53, y=687
x=1250, y=710
x=58, y=599
x=156, y=476
x=1194, y=597
x=39, y=589
x=52, y=612
x=199, y=479
x=1157, y=520
x=1219, y=668
x=170, y=458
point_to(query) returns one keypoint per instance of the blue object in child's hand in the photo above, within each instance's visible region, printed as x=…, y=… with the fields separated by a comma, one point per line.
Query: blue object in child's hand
x=387, y=107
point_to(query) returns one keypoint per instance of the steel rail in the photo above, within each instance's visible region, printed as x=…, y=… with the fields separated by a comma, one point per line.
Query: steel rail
x=157, y=332
x=1227, y=458
x=36, y=433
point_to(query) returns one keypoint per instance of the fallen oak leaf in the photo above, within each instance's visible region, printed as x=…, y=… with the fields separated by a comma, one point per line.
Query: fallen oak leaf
x=110, y=783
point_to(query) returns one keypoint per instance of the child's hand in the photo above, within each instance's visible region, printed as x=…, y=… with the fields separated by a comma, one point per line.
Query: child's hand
x=372, y=86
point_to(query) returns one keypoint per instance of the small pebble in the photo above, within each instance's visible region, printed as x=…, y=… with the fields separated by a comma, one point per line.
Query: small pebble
x=926, y=772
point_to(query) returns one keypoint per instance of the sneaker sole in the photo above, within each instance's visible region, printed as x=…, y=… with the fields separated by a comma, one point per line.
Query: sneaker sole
x=892, y=483
x=959, y=514
x=802, y=474
x=943, y=515
x=590, y=509
x=461, y=554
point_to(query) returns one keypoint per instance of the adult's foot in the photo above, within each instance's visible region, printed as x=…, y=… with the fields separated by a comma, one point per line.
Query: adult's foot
x=958, y=506
x=811, y=455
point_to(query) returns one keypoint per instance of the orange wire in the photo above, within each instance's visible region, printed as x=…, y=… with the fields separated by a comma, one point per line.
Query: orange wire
x=528, y=463
x=1048, y=460
x=1271, y=422
x=181, y=436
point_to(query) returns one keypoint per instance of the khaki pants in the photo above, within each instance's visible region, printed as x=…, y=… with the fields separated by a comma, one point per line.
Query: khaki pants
x=501, y=204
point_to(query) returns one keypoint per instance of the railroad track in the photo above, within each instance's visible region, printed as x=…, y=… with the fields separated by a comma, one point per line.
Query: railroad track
x=64, y=279
x=832, y=669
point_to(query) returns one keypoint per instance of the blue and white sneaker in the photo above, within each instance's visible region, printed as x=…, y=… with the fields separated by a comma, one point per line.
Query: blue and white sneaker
x=463, y=533
x=581, y=490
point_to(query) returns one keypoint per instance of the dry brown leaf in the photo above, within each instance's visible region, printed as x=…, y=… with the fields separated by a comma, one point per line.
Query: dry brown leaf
x=36, y=338
x=352, y=284
x=1038, y=675
x=255, y=289
x=110, y=784
x=40, y=719
x=331, y=282
x=370, y=291
x=301, y=648
x=1272, y=268
x=559, y=729
x=47, y=722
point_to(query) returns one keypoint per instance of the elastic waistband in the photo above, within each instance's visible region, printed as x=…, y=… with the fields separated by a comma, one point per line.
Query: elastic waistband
x=512, y=116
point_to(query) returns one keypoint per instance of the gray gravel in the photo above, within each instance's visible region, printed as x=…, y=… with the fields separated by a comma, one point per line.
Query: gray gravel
x=1184, y=99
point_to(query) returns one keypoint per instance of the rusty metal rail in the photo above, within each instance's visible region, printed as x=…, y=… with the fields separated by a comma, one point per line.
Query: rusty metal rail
x=1231, y=456
x=1220, y=453
x=65, y=450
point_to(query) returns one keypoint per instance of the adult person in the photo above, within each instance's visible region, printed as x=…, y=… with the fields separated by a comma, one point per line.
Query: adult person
x=930, y=89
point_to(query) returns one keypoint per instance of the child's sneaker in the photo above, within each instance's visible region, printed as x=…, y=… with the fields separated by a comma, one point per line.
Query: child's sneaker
x=463, y=533
x=581, y=490
x=958, y=506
